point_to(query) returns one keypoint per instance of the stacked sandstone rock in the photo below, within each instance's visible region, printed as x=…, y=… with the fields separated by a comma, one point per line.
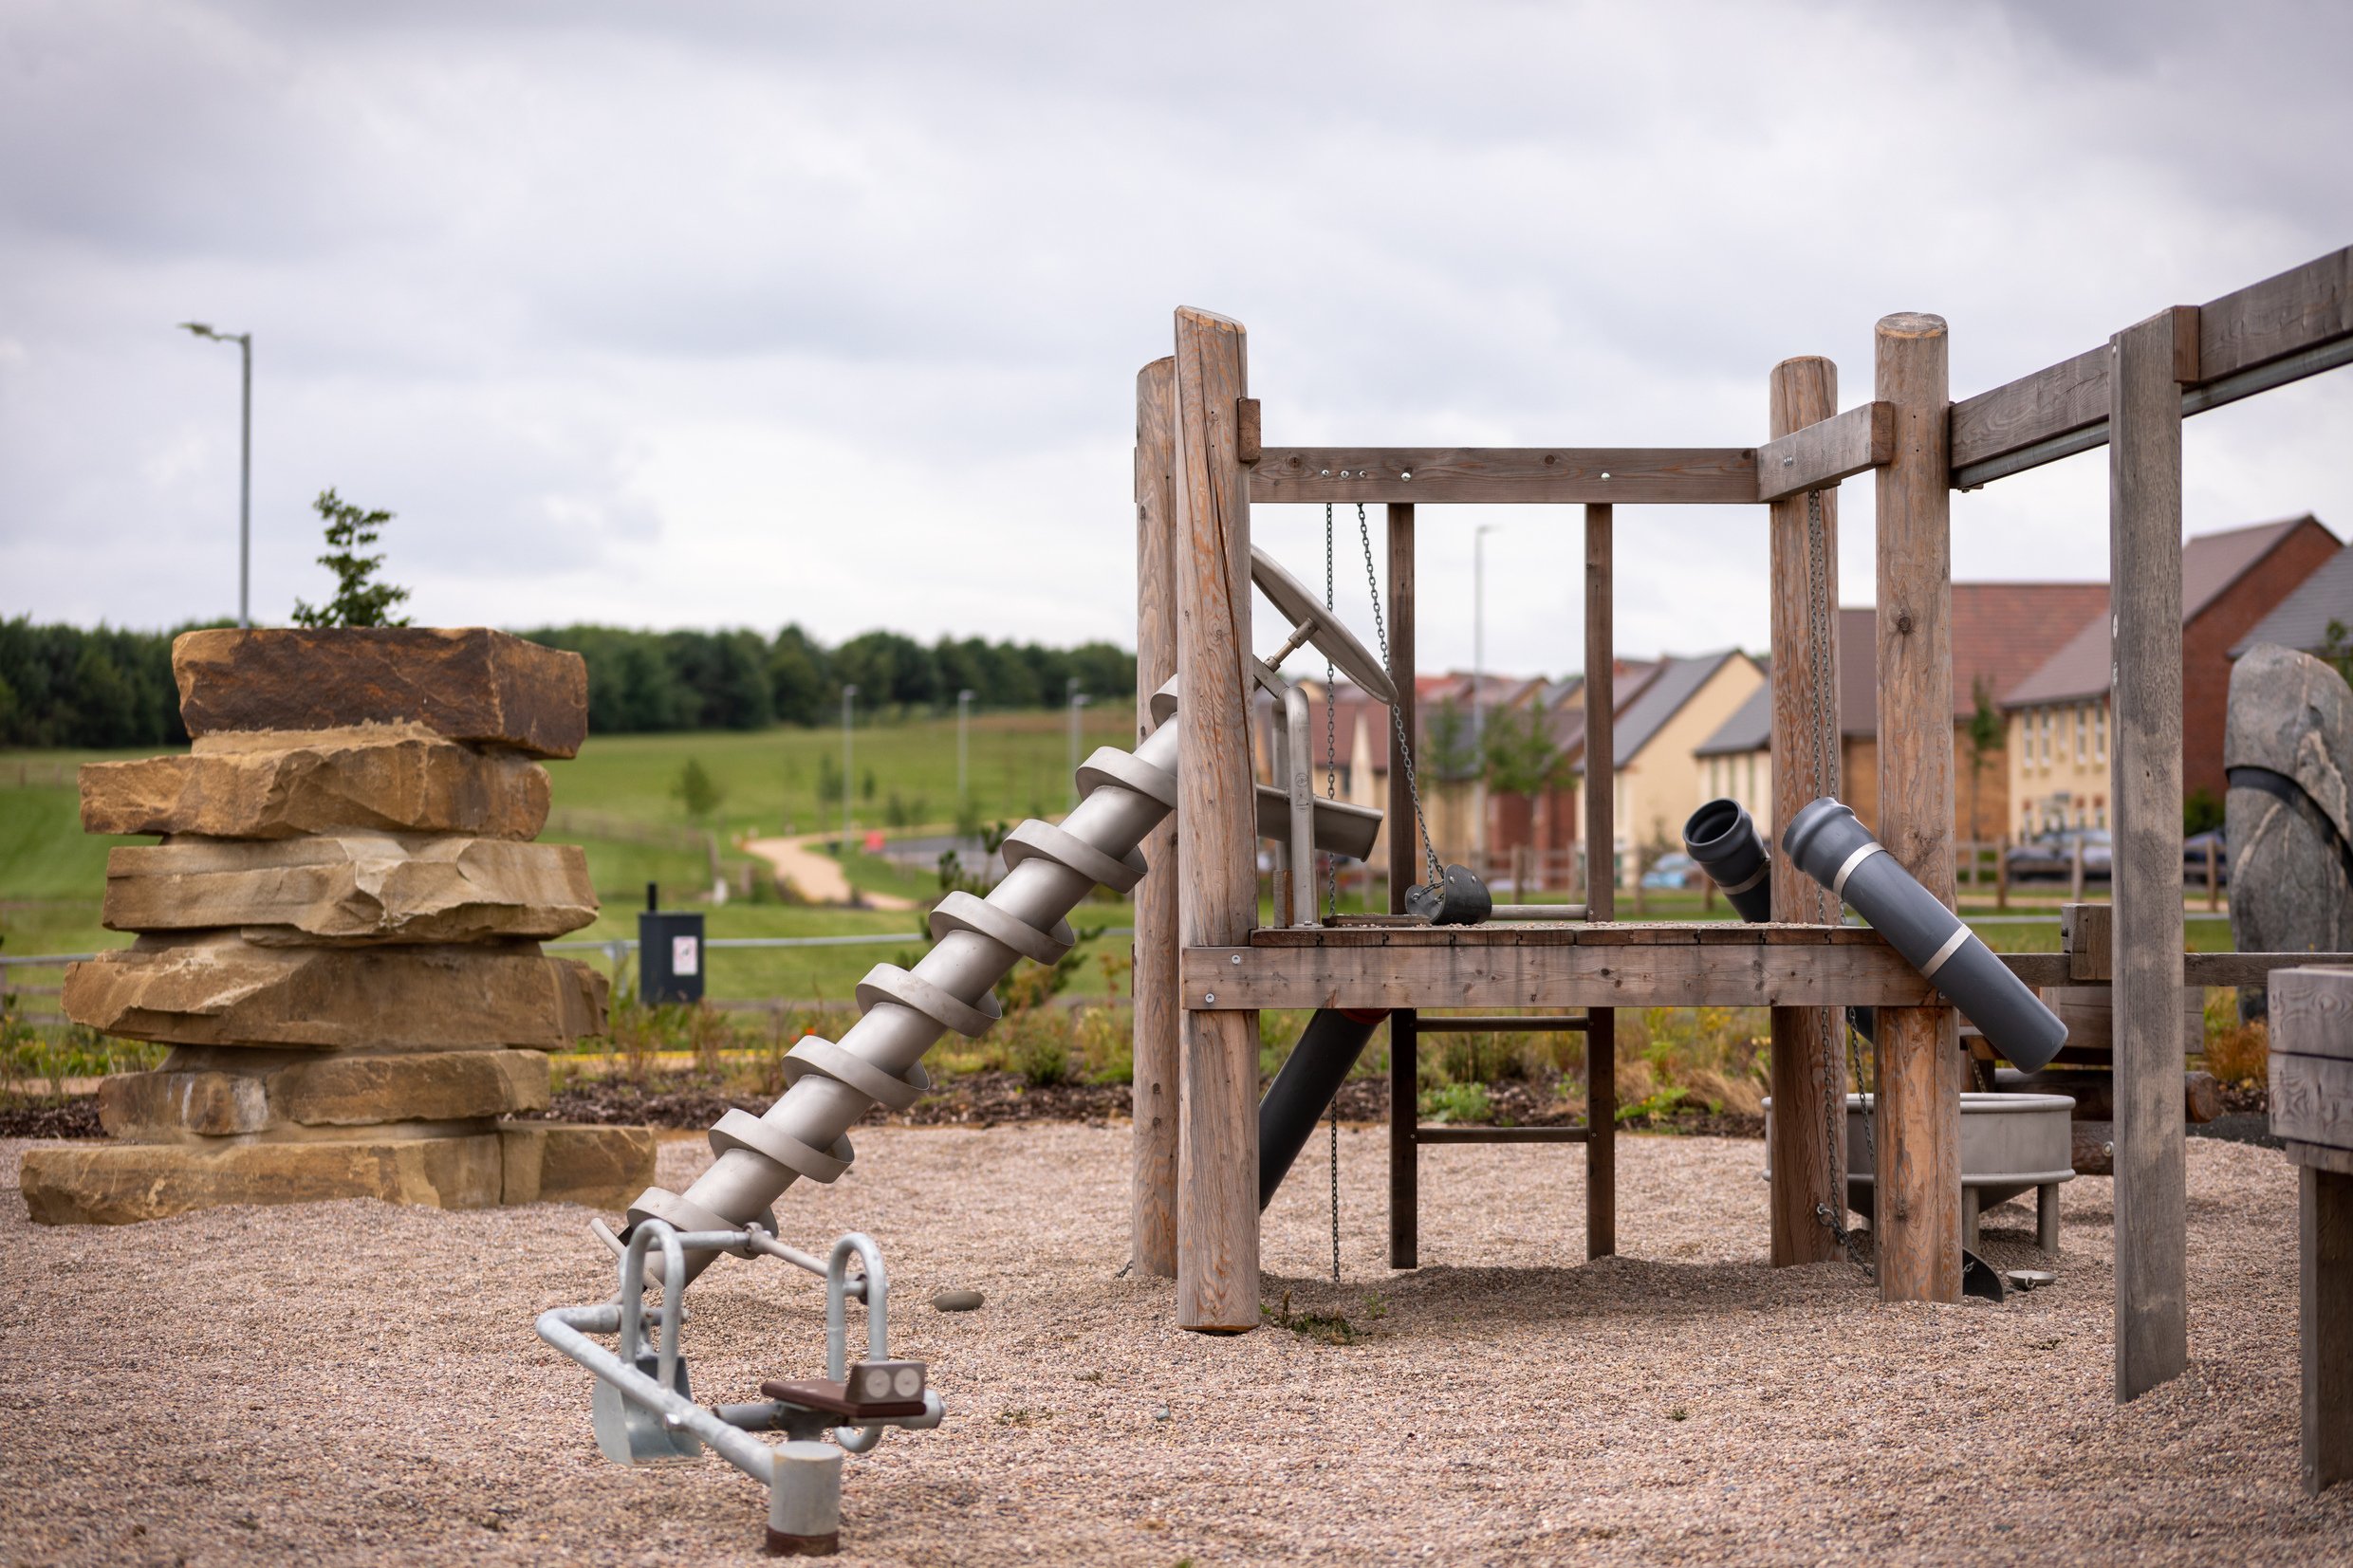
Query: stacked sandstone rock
x=339, y=936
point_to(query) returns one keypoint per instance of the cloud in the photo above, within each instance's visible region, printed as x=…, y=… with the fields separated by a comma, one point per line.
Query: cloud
x=746, y=313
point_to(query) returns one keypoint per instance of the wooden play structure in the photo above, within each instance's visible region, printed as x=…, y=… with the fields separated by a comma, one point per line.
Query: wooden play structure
x=1204, y=969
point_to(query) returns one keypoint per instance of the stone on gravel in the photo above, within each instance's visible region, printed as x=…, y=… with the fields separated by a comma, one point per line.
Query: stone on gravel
x=352, y=887
x=957, y=1301
x=469, y=684
x=220, y=990
x=125, y=1183
x=2290, y=724
x=211, y=1092
x=371, y=779
x=557, y=1162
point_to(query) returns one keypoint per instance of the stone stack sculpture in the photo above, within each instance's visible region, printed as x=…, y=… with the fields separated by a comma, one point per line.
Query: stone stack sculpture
x=339, y=936
x=2286, y=749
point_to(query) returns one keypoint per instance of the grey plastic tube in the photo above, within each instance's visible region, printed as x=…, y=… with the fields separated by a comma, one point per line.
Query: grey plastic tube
x=1723, y=838
x=1302, y=1091
x=1826, y=842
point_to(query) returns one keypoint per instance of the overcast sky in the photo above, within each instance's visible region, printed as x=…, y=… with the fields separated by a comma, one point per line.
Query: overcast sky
x=732, y=314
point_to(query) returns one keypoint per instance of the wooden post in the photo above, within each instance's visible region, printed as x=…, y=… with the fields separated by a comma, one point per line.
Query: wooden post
x=2145, y=758
x=1600, y=879
x=1808, y=1063
x=2001, y=872
x=1217, y=832
x=2324, y=1292
x=1404, y=870
x=1152, y=1213
x=1918, y=1230
x=2213, y=879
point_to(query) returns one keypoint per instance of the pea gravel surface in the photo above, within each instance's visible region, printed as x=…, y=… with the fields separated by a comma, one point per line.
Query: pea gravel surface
x=357, y=1382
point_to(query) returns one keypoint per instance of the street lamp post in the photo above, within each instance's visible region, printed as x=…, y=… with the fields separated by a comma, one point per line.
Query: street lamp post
x=849, y=696
x=244, y=465
x=1078, y=701
x=1478, y=671
x=964, y=709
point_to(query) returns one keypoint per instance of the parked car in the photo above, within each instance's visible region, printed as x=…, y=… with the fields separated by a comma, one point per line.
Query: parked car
x=2194, y=858
x=1673, y=869
x=2052, y=855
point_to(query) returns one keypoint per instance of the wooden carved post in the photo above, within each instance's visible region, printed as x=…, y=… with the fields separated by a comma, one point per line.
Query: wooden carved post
x=1217, y=833
x=1600, y=879
x=1404, y=870
x=2145, y=956
x=1918, y=1230
x=2311, y=1082
x=1809, y=1060
x=1152, y=1217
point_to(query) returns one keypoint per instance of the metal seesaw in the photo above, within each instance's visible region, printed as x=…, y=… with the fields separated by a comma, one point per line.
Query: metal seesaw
x=643, y=1408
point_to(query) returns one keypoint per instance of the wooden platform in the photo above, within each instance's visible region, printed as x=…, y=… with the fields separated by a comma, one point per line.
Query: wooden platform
x=1622, y=963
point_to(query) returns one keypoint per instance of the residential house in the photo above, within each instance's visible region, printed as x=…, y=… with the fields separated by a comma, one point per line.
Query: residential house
x=2000, y=632
x=1656, y=771
x=2058, y=715
x=2317, y=619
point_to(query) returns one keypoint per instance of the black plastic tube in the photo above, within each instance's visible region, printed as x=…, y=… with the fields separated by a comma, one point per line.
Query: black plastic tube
x=1302, y=1091
x=1723, y=838
x=1826, y=842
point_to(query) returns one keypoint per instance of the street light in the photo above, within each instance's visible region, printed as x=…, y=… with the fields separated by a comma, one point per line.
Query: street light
x=245, y=467
x=849, y=694
x=964, y=709
x=1078, y=700
x=1478, y=668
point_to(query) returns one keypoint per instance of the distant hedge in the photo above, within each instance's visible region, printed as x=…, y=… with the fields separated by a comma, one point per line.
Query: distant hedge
x=69, y=686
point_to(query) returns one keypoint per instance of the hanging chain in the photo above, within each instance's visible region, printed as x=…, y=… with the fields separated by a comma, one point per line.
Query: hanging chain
x=1331, y=728
x=1396, y=710
x=1822, y=731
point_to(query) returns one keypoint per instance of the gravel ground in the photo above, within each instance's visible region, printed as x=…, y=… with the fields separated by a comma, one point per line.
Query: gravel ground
x=359, y=1382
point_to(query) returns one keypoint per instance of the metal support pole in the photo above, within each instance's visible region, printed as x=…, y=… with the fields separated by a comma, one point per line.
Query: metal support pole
x=849, y=695
x=245, y=483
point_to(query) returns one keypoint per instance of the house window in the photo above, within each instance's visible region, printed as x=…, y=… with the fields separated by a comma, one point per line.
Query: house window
x=2046, y=726
x=2082, y=736
x=2100, y=733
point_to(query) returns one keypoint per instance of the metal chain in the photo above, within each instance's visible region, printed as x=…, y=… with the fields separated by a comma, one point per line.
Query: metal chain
x=1396, y=710
x=1823, y=732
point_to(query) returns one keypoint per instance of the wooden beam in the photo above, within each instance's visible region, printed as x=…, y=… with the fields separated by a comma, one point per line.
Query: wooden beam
x=1823, y=451
x=1152, y=1210
x=1669, y=973
x=1600, y=803
x=1920, y=1062
x=2144, y=566
x=1405, y=827
x=2287, y=327
x=1644, y=475
x=1216, y=830
x=2287, y=314
x=1441, y=1133
x=1808, y=1063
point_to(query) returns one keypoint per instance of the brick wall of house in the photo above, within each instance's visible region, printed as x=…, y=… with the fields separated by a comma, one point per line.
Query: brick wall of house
x=2206, y=643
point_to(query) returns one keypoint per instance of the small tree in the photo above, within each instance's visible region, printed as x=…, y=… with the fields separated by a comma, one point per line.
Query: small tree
x=2337, y=648
x=697, y=790
x=1985, y=735
x=357, y=602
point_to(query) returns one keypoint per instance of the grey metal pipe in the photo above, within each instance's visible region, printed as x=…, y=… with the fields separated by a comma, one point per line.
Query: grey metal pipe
x=567, y=1330
x=1302, y=794
x=1302, y=1091
x=1826, y=842
x=1722, y=838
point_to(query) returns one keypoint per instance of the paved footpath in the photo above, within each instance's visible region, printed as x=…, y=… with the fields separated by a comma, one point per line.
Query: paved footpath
x=817, y=874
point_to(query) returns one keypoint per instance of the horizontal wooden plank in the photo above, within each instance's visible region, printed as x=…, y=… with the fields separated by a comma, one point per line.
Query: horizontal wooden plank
x=2312, y=1100
x=1484, y=1024
x=2069, y=395
x=2250, y=968
x=2286, y=314
x=1444, y=1132
x=1514, y=974
x=1821, y=454
x=1633, y=475
x=2311, y=1012
x=1611, y=933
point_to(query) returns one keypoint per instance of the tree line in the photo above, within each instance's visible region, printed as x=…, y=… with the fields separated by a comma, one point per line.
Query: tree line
x=110, y=688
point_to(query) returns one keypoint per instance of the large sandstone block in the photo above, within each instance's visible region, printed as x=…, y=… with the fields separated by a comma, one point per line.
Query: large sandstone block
x=204, y=1092
x=379, y=778
x=219, y=990
x=562, y=1162
x=123, y=1183
x=352, y=888
x=467, y=684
